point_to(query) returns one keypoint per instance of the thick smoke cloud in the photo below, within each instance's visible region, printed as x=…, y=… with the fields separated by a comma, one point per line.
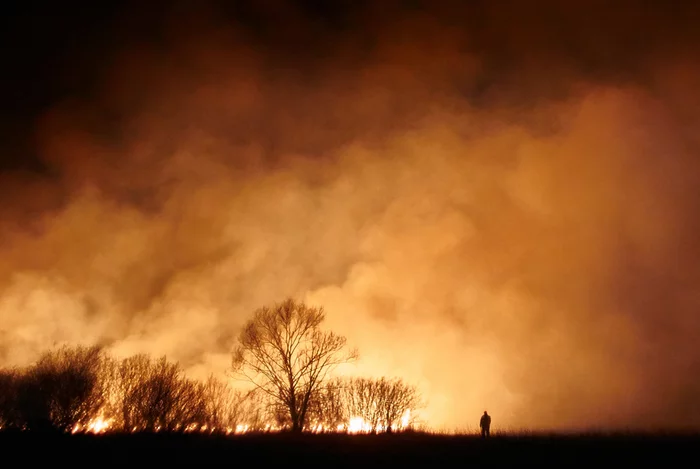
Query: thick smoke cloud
x=498, y=204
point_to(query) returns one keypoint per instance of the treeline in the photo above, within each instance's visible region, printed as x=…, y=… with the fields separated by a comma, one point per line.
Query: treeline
x=84, y=389
x=282, y=351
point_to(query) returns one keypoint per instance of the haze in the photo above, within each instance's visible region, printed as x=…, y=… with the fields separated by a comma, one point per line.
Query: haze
x=498, y=204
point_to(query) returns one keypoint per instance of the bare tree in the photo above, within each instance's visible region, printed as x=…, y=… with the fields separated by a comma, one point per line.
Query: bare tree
x=361, y=399
x=395, y=399
x=84, y=389
x=286, y=355
x=62, y=390
x=228, y=409
x=155, y=395
x=111, y=410
x=328, y=407
x=253, y=411
x=189, y=407
x=380, y=403
x=131, y=372
x=218, y=400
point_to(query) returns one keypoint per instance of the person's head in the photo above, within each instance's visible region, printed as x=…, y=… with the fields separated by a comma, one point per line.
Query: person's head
x=485, y=413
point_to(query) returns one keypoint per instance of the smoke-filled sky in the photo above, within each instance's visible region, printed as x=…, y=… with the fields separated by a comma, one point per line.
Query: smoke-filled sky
x=497, y=201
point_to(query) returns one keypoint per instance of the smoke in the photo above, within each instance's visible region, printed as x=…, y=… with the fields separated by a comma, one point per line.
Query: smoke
x=502, y=213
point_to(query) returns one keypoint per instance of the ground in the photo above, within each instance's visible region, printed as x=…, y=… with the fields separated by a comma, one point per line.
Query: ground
x=347, y=450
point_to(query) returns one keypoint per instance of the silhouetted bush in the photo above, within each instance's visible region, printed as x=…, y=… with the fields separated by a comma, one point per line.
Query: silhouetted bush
x=62, y=390
x=329, y=410
x=9, y=415
x=155, y=395
x=376, y=404
x=230, y=409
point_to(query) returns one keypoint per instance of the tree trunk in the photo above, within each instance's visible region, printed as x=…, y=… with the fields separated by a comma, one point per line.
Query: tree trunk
x=294, y=416
x=302, y=413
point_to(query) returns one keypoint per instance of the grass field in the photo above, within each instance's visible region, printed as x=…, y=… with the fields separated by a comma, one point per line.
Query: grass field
x=348, y=450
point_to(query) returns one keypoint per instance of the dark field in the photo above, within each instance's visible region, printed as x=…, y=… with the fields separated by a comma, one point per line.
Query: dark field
x=359, y=451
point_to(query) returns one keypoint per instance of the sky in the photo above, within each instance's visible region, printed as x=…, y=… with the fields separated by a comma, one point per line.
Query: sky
x=495, y=201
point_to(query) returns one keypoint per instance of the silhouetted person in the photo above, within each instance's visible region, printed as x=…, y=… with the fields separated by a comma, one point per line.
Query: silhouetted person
x=485, y=425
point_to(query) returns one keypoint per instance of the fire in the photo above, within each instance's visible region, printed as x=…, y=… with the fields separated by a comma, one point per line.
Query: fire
x=406, y=419
x=99, y=425
x=241, y=428
x=354, y=425
x=358, y=425
x=319, y=428
x=96, y=425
